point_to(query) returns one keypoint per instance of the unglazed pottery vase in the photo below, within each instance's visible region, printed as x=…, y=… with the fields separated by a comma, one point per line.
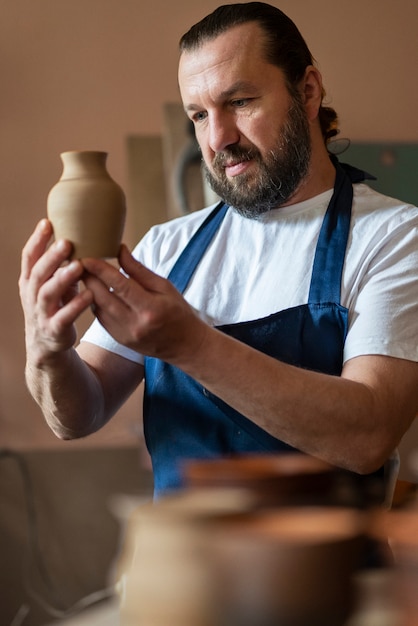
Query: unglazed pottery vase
x=86, y=206
x=166, y=565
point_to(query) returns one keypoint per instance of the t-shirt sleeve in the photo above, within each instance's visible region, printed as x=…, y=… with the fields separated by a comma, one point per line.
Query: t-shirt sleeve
x=383, y=306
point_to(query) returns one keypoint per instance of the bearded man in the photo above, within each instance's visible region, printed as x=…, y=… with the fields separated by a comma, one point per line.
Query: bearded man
x=283, y=318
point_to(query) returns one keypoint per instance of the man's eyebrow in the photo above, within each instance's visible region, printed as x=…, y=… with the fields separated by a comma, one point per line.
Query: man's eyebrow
x=192, y=107
x=239, y=86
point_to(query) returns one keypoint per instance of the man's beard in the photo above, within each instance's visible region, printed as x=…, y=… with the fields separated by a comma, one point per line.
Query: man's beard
x=279, y=174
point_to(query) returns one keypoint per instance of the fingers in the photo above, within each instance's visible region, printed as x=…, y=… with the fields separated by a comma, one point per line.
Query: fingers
x=132, y=288
x=100, y=271
x=141, y=274
x=60, y=288
x=65, y=316
x=38, y=262
x=35, y=247
x=45, y=283
x=140, y=309
x=121, y=299
x=51, y=260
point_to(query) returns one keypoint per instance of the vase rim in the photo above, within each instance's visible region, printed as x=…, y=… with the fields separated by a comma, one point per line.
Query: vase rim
x=84, y=152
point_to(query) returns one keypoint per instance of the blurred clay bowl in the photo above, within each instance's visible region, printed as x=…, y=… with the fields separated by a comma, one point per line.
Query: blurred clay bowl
x=273, y=479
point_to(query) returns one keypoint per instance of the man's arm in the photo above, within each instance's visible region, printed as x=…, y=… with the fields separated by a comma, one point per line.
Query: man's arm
x=354, y=421
x=77, y=392
x=80, y=390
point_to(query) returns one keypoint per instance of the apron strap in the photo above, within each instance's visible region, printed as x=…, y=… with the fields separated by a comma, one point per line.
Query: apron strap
x=189, y=259
x=332, y=242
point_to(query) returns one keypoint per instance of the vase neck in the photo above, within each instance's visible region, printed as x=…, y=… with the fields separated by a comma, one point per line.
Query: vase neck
x=78, y=164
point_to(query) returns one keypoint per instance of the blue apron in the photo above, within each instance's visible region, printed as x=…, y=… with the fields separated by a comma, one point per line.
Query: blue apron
x=182, y=419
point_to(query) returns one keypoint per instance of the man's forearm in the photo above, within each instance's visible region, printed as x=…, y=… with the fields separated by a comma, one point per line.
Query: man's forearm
x=355, y=420
x=69, y=394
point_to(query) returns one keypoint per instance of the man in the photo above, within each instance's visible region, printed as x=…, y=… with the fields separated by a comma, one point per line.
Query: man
x=289, y=319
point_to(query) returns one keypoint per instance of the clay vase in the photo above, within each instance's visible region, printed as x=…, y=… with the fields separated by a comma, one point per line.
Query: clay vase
x=87, y=207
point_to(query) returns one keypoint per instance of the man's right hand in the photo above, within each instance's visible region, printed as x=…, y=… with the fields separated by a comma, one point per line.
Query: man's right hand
x=49, y=294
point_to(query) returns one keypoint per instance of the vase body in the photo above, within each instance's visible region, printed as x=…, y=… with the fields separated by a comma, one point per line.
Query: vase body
x=87, y=207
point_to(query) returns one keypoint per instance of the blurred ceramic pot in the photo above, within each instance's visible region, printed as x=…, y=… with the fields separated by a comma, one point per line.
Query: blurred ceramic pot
x=87, y=206
x=292, y=566
x=400, y=527
x=167, y=574
x=272, y=479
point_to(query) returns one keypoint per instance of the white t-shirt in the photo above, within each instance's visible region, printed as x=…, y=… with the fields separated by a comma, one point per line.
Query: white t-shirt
x=253, y=268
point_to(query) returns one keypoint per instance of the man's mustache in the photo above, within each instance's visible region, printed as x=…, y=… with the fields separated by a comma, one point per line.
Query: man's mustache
x=233, y=155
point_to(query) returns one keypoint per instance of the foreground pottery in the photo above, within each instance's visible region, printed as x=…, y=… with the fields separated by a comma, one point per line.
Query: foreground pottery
x=166, y=565
x=205, y=557
x=287, y=567
x=401, y=528
x=87, y=207
x=273, y=479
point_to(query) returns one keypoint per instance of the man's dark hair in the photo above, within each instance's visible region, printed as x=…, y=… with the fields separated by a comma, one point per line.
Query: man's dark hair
x=284, y=45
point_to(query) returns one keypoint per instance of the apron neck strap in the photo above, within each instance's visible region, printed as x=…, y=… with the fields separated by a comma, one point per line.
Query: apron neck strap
x=332, y=242
x=189, y=259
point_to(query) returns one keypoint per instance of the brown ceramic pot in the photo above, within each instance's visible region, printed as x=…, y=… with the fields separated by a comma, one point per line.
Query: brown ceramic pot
x=87, y=206
x=206, y=558
x=400, y=527
x=291, y=566
x=272, y=479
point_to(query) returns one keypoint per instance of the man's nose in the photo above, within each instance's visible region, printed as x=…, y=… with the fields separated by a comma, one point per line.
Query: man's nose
x=223, y=132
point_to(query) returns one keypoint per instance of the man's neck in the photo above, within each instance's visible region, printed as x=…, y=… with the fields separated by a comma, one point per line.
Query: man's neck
x=320, y=178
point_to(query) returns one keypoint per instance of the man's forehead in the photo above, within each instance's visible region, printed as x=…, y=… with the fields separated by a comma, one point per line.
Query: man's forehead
x=237, y=55
x=240, y=40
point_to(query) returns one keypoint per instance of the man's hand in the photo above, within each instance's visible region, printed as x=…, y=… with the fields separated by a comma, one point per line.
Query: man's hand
x=49, y=294
x=142, y=310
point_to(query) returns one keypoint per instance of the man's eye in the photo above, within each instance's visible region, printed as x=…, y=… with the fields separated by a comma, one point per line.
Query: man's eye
x=199, y=117
x=240, y=102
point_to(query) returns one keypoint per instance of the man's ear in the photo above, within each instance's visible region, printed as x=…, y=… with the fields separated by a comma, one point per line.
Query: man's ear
x=312, y=91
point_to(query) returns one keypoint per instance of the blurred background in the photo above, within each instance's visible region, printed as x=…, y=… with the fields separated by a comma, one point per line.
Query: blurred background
x=102, y=75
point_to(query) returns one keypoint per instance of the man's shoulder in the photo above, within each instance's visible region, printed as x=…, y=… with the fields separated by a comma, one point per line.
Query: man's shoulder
x=367, y=202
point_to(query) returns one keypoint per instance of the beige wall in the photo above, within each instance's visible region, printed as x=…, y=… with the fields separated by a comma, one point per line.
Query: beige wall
x=86, y=74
